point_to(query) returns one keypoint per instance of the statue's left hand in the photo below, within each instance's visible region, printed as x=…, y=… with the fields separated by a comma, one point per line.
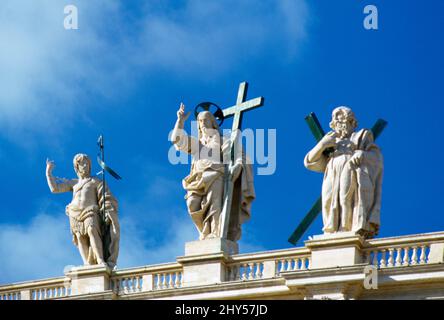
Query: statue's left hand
x=356, y=158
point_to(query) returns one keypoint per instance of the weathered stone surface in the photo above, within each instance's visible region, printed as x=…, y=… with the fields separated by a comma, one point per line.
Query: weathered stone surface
x=209, y=246
x=407, y=267
x=89, y=279
x=335, y=250
x=211, y=172
x=352, y=165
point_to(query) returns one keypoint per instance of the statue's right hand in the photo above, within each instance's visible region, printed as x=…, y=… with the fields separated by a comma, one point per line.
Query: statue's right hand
x=49, y=165
x=181, y=116
x=329, y=140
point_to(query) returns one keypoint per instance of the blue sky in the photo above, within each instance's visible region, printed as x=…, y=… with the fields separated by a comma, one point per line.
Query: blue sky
x=125, y=70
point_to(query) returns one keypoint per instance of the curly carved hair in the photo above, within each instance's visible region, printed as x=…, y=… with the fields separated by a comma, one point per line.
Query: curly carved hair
x=347, y=113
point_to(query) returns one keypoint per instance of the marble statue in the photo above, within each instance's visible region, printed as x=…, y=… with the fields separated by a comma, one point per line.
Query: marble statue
x=96, y=238
x=352, y=165
x=205, y=184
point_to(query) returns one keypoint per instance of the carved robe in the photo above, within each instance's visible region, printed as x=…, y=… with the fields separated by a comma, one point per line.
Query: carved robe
x=351, y=196
x=87, y=214
x=206, y=180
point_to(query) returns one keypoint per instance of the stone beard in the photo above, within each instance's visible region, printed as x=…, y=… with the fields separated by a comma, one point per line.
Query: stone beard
x=353, y=165
x=98, y=241
x=205, y=183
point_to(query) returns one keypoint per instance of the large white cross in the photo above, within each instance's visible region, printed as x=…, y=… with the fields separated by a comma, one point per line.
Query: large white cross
x=235, y=111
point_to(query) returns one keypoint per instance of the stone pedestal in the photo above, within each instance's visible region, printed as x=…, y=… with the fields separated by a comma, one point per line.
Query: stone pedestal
x=89, y=279
x=211, y=246
x=205, y=261
x=335, y=250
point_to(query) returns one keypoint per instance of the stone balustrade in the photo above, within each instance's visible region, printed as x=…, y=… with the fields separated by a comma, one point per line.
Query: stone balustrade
x=404, y=251
x=268, y=264
x=15, y=295
x=50, y=293
x=127, y=284
x=37, y=290
x=156, y=277
x=395, y=252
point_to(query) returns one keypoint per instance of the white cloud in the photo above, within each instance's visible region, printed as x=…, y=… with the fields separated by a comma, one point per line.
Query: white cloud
x=139, y=249
x=48, y=72
x=43, y=248
x=162, y=188
x=214, y=36
x=37, y=250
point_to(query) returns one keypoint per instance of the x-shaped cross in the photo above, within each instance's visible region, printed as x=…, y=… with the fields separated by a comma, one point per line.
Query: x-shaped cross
x=319, y=133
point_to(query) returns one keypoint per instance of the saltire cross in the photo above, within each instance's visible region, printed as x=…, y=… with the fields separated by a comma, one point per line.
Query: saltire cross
x=319, y=133
x=105, y=168
x=236, y=112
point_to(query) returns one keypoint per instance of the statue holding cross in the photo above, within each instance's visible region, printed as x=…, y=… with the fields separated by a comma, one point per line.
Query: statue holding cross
x=220, y=186
x=352, y=165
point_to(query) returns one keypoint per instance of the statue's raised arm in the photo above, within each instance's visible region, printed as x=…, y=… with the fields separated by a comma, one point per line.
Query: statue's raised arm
x=55, y=184
x=179, y=137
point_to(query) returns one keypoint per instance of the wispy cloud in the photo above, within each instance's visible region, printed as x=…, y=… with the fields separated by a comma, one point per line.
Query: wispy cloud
x=149, y=234
x=215, y=36
x=37, y=250
x=47, y=71
x=50, y=78
x=43, y=248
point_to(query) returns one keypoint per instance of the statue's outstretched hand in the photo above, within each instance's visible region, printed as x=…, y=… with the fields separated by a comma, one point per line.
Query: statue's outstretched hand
x=49, y=165
x=181, y=116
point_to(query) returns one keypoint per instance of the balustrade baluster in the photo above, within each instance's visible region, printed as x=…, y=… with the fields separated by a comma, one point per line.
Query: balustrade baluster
x=176, y=280
x=250, y=271
x=258, y=274
x=156, y=282
x=245, y=271
x=383, y=261
x=375, y=258
x=283, y=265
x=303, y=264
x=406, y=256
x=139, y=283
x=298, y=264
x=398, y=261
x=288, y=265
x=414, y=260
x=171, y=282
x=422, y=258
x=391, y=259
